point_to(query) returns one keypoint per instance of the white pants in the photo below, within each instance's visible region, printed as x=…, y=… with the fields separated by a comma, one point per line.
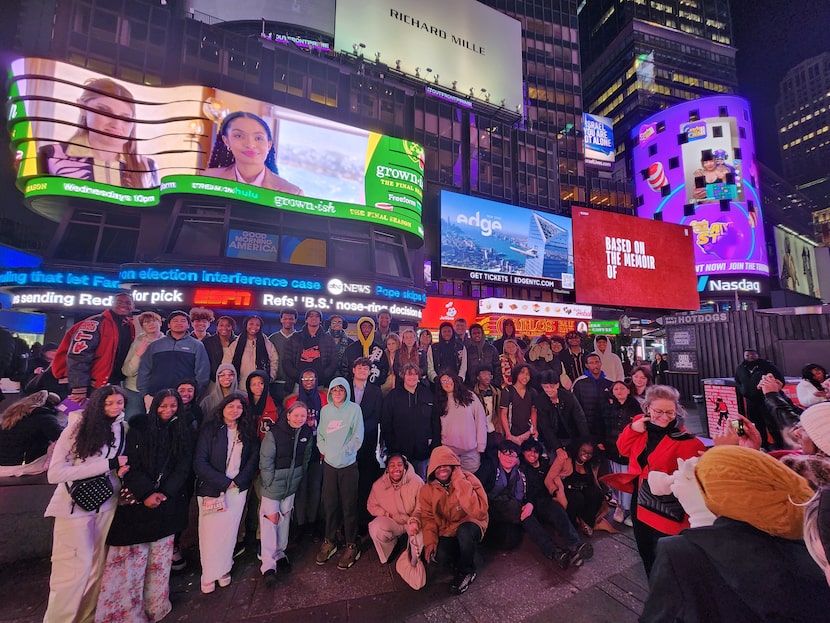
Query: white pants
x=385, y=532
x=217, y=535
x=78, y=555
x=274, y=539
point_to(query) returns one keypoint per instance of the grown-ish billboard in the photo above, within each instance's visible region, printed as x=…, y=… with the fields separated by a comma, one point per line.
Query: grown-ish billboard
x=625, y=261
x=694, y=164
x=489, y=241
x=79, y=133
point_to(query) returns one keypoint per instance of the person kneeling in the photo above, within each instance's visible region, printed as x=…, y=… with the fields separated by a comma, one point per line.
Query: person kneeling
x=392, y=502
x=453, y=516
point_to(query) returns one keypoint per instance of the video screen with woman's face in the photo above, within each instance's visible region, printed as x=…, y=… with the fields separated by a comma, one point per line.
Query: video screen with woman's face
x=70, y=122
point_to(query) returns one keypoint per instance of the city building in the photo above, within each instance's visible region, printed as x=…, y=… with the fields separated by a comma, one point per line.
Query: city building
x=641, y=57
x=803, y=118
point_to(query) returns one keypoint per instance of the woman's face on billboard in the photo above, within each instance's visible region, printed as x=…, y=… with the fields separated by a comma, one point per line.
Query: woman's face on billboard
x=248, y=141
x=103, y=119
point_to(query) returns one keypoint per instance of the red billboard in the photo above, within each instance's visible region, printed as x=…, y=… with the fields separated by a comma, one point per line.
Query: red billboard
x=440, y=309
x=633, y=262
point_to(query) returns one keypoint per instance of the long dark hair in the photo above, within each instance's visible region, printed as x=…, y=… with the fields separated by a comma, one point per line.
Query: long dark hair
x=257, y=407
x=95, y=430
x=573, y=451
x=222, y=156
x=178, y=442
x=262, y=361
x=247, y=424
x=460, y=393
x=807, y=374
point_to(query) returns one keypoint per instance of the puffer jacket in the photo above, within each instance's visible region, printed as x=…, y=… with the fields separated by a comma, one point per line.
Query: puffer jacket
x=445, y=508
x=397, y=501
x=283, y=459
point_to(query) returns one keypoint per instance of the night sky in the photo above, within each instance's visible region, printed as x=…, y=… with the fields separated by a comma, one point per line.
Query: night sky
x=773, y=36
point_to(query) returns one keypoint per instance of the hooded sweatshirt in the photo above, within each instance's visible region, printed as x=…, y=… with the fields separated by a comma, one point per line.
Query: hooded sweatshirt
x=367, y=347
x=443, y=508
x=210, y=402
x=611, y=363
x=340, y=433
x=398, y=501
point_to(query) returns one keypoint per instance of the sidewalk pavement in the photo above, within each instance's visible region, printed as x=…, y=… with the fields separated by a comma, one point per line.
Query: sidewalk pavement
x=519, y=585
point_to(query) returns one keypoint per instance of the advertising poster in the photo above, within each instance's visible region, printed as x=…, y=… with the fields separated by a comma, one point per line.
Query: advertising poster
x=78, y=133
x=314, y=14
x=694, y=165
x=624, y=261
x=487, y=236
x=599, y=141
x=464, y=44
x=796, y=256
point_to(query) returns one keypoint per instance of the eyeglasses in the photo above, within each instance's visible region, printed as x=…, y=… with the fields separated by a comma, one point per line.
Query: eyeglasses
x=446, y=381
x=509, y=453
x=308, y=379
x=661, y=412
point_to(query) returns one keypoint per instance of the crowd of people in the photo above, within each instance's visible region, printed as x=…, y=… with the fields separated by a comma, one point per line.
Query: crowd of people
x=432, y=446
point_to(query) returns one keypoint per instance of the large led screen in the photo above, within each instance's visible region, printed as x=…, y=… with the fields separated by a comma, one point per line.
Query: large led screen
x=796, y=262
x=694, y=164
x=626, y=261
x=314, y=14
x=78, y=133
x=484, y=236
x=461, y=44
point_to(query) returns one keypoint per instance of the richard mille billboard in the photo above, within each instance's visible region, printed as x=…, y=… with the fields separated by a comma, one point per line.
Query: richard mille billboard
x=461, y=43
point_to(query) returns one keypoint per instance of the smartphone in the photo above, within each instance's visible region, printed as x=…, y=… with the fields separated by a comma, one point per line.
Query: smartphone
x=738, y=425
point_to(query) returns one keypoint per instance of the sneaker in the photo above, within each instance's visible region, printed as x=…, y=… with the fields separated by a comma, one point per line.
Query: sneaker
x=462, y=582
x=208, y=587
x=619, y=514
x=581, y=553
x=629, y=522
x=562, y=558
x=350, y=556
x=179, y=562
x=224, y=581
x=284, y=565
x=327, y=550
x=269, y=578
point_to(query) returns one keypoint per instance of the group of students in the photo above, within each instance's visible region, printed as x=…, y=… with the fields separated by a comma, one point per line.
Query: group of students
x=465, y=463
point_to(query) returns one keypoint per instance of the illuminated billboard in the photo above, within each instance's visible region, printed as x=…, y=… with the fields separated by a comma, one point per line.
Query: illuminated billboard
x=313, y=14
x=796, y=262
x=500, y=243
x=464, y=44
x=694, y=165
x=598, y=133
x=629, y=262
x=80, y=134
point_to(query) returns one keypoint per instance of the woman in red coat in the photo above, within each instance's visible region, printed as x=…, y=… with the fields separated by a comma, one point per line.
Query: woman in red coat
x=655, y=441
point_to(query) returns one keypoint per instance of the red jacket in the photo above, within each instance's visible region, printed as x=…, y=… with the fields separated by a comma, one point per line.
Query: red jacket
x=677, y=445
x=87, y=352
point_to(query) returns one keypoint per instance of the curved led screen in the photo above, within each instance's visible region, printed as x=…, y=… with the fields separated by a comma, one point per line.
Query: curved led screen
x=694, y=164
x=78, y=133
